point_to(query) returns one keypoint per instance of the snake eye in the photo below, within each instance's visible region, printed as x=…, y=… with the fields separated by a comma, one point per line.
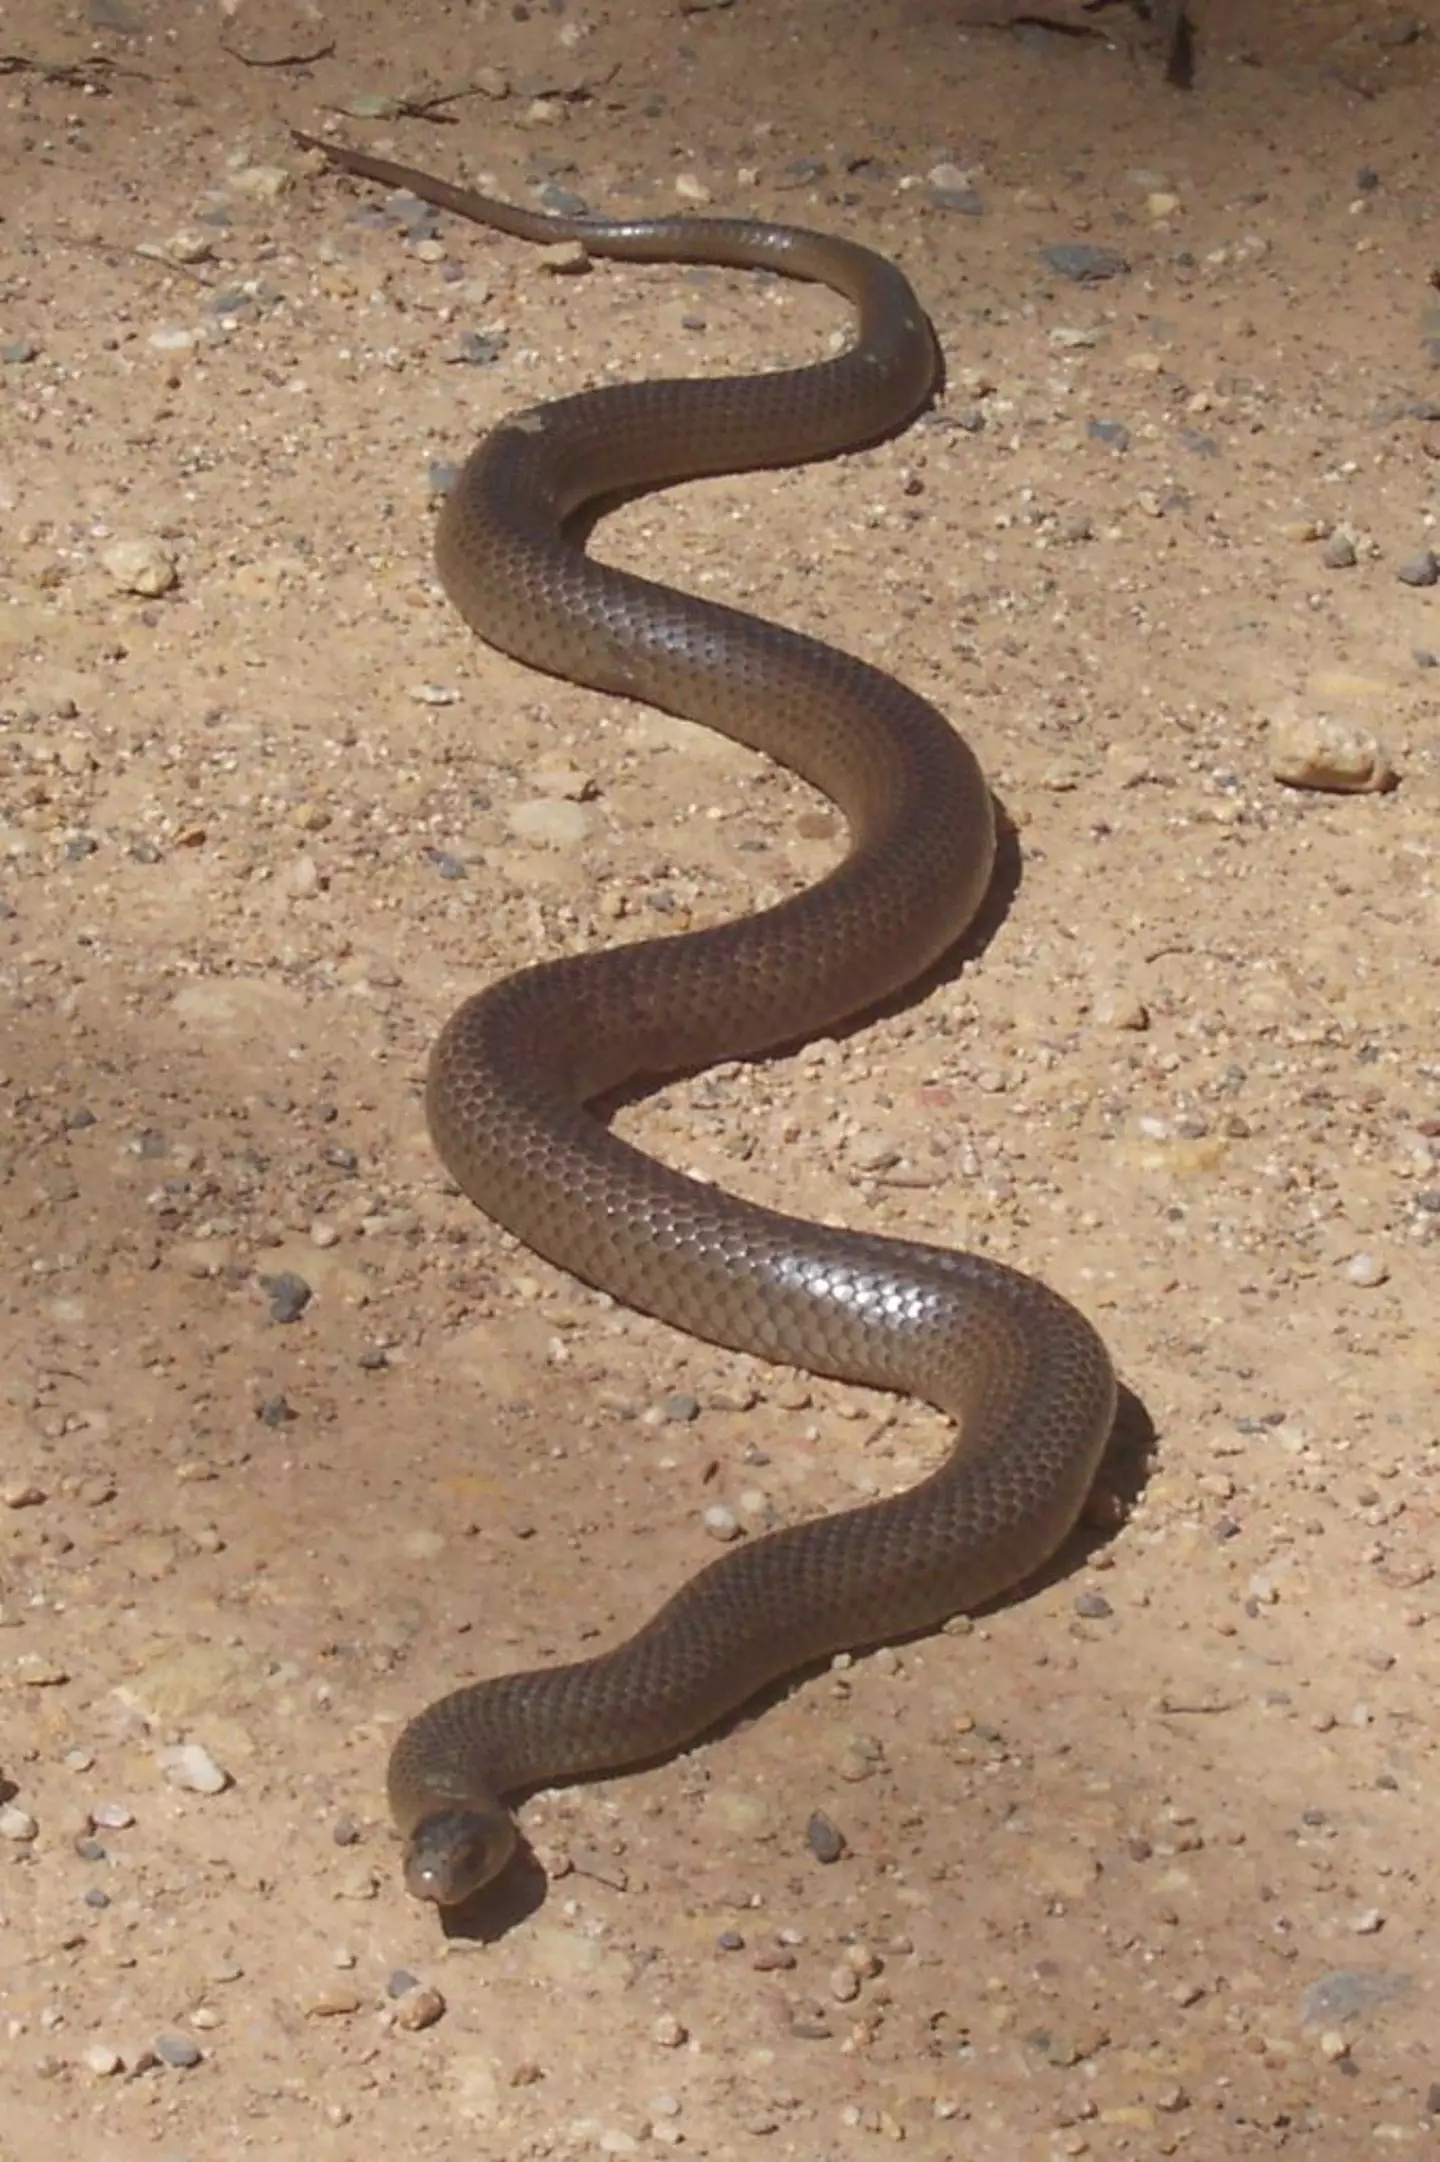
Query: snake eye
x=455, y=1852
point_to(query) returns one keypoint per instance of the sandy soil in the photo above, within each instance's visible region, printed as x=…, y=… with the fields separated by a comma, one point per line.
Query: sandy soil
x=1145, y=1863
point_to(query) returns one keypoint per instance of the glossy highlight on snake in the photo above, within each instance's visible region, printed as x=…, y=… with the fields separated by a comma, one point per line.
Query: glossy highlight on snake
x=1024, y=1375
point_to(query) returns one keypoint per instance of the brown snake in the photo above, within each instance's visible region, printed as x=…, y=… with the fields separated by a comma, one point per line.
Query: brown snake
x=1024, y=1375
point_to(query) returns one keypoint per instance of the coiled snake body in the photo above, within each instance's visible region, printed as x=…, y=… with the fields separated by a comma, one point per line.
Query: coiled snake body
x=1025, y=1376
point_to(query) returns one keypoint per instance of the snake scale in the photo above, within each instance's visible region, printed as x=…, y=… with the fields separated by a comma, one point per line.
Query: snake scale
x=517, y=1068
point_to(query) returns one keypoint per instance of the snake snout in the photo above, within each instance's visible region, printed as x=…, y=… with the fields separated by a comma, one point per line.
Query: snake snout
x=454, y=1853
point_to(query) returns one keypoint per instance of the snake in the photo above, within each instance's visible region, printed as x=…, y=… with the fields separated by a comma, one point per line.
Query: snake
x=520, y=1073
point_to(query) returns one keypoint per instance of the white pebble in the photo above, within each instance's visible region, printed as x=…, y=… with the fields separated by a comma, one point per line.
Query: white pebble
x=1118, y=1007
x=1310, y=750
x=419, y=2008
x=1366, y=1270
x=190, y=245
x=112, y=1817
x=548, y=823
x=193, y=1769
x=263, y=183
x=720, y=1522
x=102, y=2062
x=17, y=1824
x=563, y=259
x=145, y=566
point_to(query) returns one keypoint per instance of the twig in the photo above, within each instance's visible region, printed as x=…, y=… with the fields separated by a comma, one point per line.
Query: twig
x=124, y=247
x=282, y=60
x=74, y=74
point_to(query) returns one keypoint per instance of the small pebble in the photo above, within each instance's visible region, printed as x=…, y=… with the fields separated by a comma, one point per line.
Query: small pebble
x=1309, y=750
x=192, y=1768
x=564, y=258
x=18, y=1825
x=562, y=202
x=178, y=2051
x=720, y=1522
x=289, y=1295
x=668, y=2032
x=263, y=183
x=1420, y=570
x=549, y=823
x=1366, y=1270
x=143, y=566
x=479, y=349
x=190, y=245
x=420, y=2008
x=337, y=2000
x=101, y=2062
x=952, y=188
x=1339, y=553
x=1122, y=1009
x=826, y=1842
x=1084, y=262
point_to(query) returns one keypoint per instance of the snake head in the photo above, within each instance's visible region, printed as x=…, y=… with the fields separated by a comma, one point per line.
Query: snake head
x=453, y=1853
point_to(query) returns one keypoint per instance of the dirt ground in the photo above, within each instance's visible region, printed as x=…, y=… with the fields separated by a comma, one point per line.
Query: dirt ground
x=1144, y=1863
